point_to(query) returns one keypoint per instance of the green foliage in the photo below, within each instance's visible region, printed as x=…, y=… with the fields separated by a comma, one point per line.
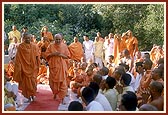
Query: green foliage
x=146, y=21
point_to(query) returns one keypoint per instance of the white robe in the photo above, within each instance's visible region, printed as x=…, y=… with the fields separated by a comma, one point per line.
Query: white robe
x=88, y=50
x=94, y=106
x=109, y=49
x=103, y=101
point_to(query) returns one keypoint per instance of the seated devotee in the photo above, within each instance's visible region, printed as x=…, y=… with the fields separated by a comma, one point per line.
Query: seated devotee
x=82, y=68
x=138, y=58
x=104, y=72
x=89, y=76
x=156, y=75
x=147, y=107
x=77, y=81
x=126, y=67
x=118, y=72
x=9, y=103
x=42, y=77
x=99, y=97
x=88, y=99
x=110, y=65
x=10, y=95
x=75, y=106
x=128, y=102
x=10, y=69
x=139, y=74
x=71, y=66
x=110, y=92
x=127, y=59
x=155, y=97
x=11, y=87
x=97, y=78
x=146, y=79
x=125, y=84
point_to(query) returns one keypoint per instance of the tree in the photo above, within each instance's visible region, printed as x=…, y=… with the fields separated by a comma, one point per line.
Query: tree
x=146, y=21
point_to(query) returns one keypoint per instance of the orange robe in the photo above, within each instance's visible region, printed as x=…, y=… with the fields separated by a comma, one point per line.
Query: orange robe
x=77, y=82
x=42, y=69
x=116, y=50
x=26, y=67
x=132, y=45
x=122, y=45
x=153, y=54
x=58, y=69
x=10, y=69
x=42, y=74
x=145, y=81
x=48, y=35
x=76, y=51
x=43, y=47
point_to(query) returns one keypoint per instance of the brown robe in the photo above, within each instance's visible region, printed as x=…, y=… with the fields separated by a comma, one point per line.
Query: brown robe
x=26, y=68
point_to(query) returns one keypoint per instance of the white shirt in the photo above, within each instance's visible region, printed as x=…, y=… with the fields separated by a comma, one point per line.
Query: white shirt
x=111, y=95
x=109, y=49
x=88, y=49
x=88, y=46
x=128, y=88
x=104, y=77
x=12, y=50
x=132, y=83
x=94, y=106
x=12, y=87
x=137, y=81
x=103, y=101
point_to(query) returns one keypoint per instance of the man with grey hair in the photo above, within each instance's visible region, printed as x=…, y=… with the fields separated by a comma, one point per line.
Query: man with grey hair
x=57, y=54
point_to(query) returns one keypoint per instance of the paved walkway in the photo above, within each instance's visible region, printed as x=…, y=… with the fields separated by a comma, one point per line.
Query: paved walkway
x=22, y=101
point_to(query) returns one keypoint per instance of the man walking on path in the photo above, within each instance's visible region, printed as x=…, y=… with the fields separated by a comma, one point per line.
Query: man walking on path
x=56, y=55
x=26, y=67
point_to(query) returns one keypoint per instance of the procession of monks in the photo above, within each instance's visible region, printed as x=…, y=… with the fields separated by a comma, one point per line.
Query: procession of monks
x=52, y=62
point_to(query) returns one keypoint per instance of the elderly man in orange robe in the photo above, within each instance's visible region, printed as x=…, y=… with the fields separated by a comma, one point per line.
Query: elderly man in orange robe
x=26, y=67
x=131, y=43
x=76, y=50
x=56, y=55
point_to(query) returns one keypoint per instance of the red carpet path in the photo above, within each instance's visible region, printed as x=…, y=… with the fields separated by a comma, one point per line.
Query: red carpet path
x=44, y=101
